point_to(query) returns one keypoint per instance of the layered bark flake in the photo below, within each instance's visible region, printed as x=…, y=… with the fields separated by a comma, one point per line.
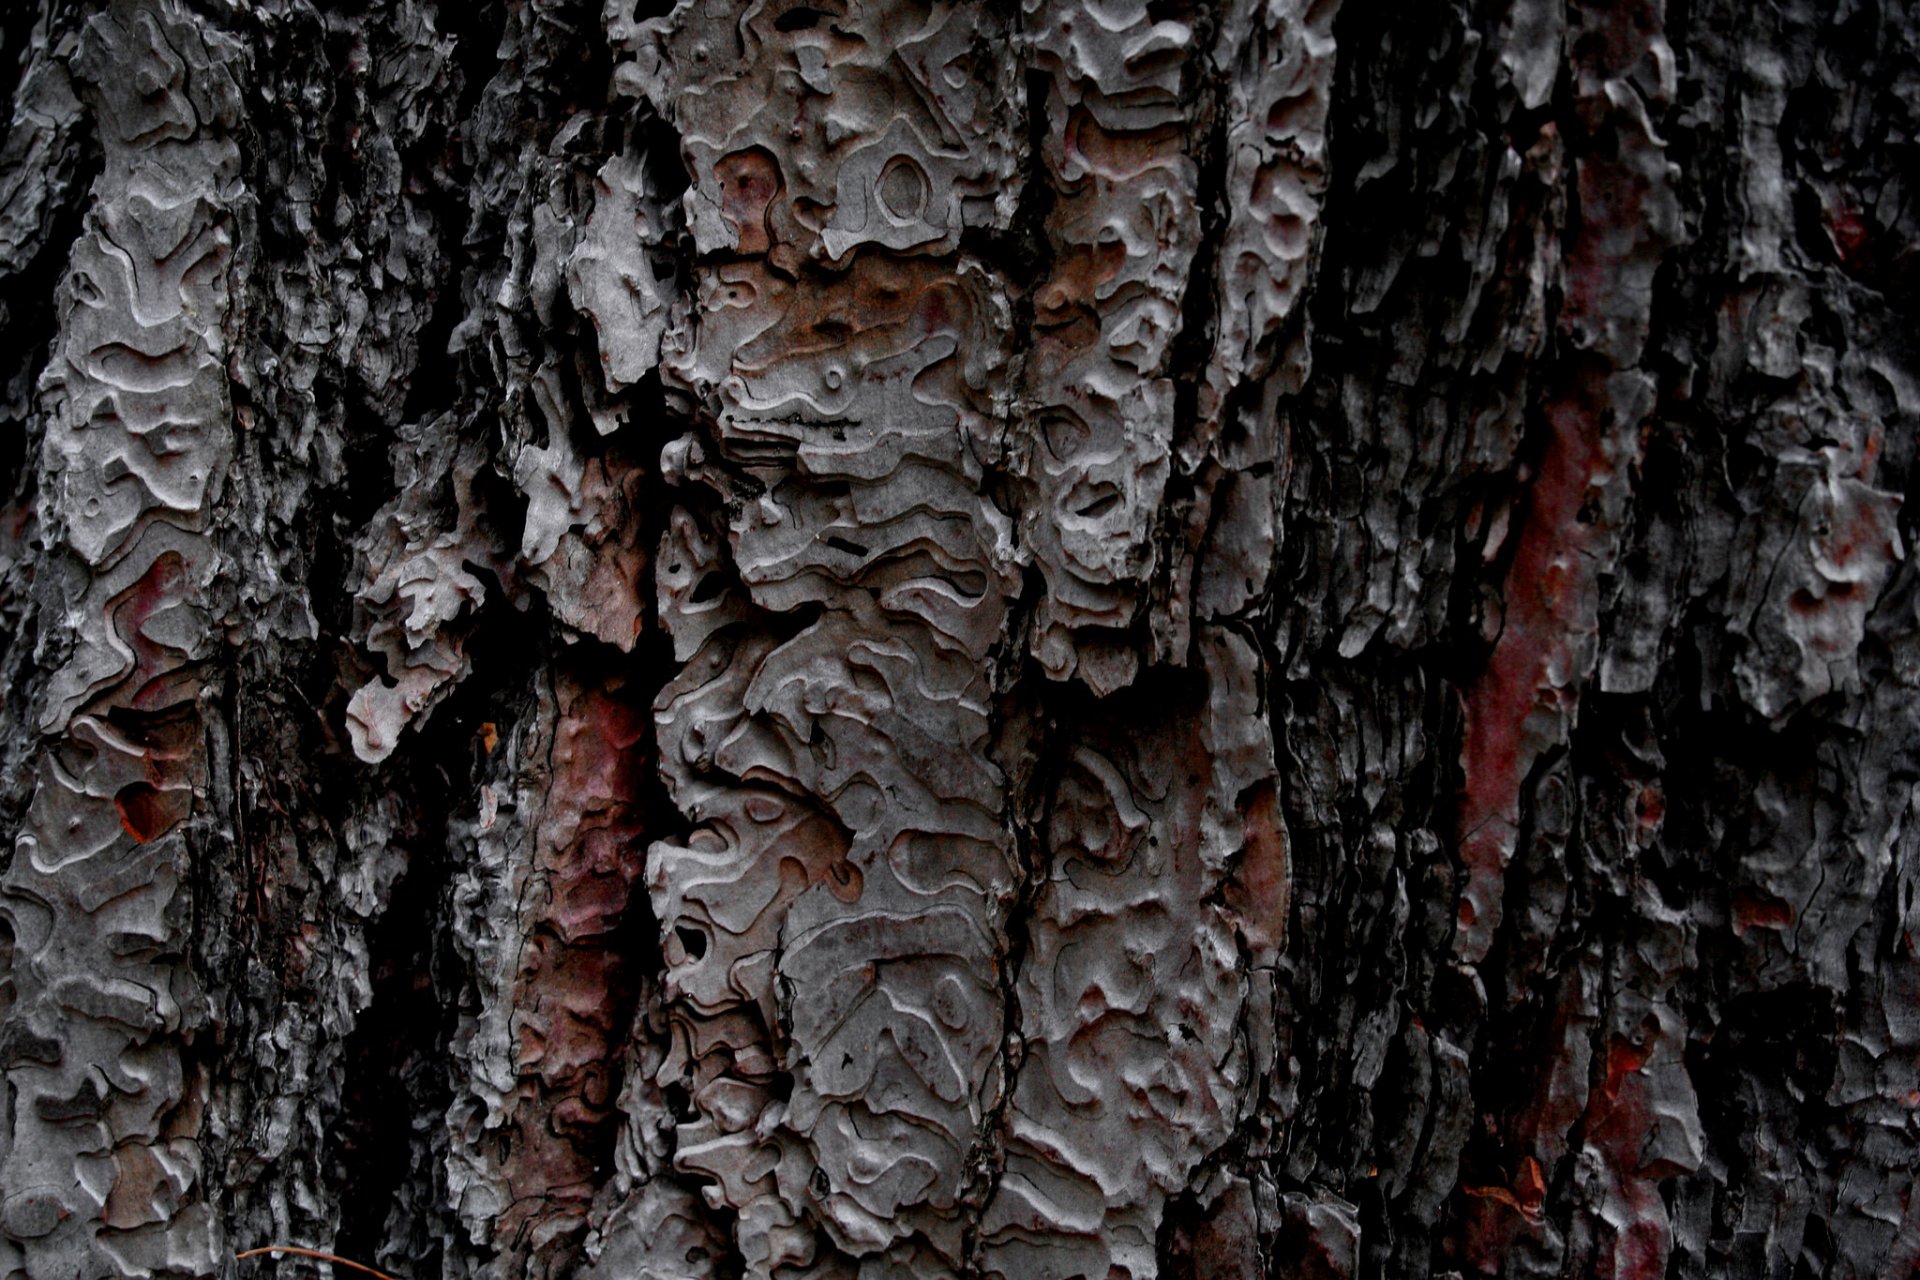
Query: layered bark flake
x=1062, y=640
x=870, y=475
x=100, y=1154
x=543, y=1043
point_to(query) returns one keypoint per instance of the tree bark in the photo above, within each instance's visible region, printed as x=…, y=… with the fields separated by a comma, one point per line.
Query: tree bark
x=836, y=639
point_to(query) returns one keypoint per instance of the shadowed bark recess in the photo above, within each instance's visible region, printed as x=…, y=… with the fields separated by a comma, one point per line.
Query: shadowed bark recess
x=862, y=641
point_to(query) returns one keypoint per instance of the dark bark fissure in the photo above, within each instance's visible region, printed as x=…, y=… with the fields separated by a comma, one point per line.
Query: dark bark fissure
x=26, y=317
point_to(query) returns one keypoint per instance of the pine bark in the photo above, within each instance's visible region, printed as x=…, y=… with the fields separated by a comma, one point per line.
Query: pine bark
x=838, y=639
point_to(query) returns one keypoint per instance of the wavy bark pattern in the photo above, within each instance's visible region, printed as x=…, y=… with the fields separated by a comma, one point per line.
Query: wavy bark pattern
x=855, y=640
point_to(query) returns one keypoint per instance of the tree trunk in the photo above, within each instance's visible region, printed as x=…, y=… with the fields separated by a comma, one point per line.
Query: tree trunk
x=824, y=638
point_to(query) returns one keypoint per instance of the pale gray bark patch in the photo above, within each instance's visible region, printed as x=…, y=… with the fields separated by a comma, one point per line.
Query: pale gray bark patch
x=102, y=1170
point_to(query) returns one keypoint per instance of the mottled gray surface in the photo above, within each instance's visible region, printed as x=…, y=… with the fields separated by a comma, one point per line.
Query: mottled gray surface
x=875, y=640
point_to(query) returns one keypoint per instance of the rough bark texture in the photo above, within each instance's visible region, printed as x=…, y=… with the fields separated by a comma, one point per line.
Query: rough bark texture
x=1193, y=638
